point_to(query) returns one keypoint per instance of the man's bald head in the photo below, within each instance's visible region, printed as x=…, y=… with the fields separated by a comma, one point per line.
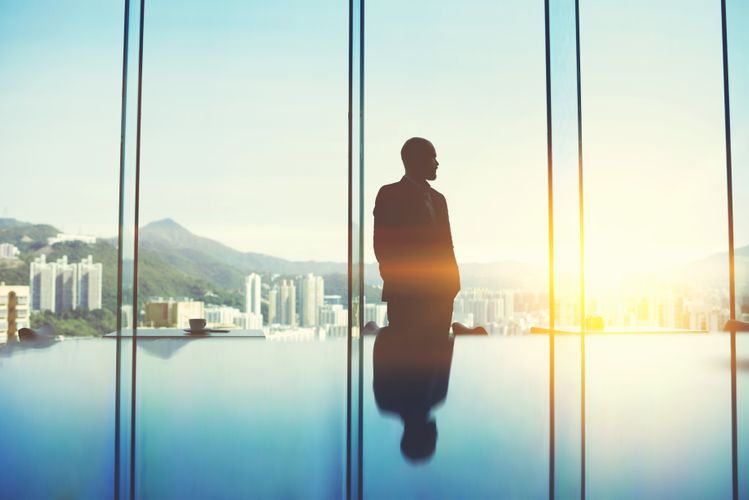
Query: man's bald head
x=419, y=158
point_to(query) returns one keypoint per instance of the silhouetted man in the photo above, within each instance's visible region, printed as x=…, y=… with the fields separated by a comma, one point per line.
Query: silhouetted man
x=414, y=247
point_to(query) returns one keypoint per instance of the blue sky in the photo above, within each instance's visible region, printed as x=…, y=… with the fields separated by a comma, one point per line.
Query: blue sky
x=244, y=121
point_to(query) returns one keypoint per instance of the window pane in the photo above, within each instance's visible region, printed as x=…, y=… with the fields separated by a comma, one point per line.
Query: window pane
x=243, y=223
x=654, y=166
x=738, y=70
x=656, y=249
x=469, y=77
x=60, y=84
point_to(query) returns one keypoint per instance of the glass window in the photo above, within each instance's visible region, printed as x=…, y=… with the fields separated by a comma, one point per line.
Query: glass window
x=469, y=78
x=655, y=249
x=243, y=223
x=738, y=71
x=60, y=84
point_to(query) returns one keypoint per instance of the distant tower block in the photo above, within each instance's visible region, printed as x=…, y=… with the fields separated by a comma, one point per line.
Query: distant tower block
x=12, y=316
x=252, y=293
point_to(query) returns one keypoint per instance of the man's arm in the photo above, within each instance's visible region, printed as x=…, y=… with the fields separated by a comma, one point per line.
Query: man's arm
x=453, y=273
x=385, y=220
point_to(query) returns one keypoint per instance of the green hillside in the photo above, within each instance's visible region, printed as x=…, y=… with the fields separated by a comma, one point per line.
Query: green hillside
x=14, y=272
x=26, y=236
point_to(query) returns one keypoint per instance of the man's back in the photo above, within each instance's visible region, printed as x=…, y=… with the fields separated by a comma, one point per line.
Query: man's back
x=413, y=243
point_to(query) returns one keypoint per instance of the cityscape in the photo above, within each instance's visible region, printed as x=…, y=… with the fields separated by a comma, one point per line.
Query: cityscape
x=296, y=306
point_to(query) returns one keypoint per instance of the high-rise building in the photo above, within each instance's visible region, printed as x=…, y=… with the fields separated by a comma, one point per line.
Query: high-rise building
x=61, y=286
x=273, y=305
x=495, y=310
x=14, y=310
x=319, y=297
x=8, y=251
x=252, y=289
x=333, y=314
x=42, y=281
x=221, y=316
x=332, y=299
x=186, y=310
x=282, y=303
x=287, y=303
x=66, y=285
x=157, y=314
x=249, y=321
x=310, y=290
x=478, y=308
x=127, y=316
x=376, y=313
x=508, y=297
x=89, y=283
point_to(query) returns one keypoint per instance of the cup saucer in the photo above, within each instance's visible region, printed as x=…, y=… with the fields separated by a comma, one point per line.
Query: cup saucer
x=202, y=331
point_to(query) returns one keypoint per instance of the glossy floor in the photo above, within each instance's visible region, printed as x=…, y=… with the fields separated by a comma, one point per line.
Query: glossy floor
x=237, y=418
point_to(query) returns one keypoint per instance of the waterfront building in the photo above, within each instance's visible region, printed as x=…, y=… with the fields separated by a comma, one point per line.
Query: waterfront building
x=282, y=303
x=494, y=310
x=332, y=331
x=272, y=306
x=310, y=290
x=126, y=316
x=252, y=291
x=376, y=313
x=221, y=316
x=249, y=321
x=172, y=313
x=333, y=315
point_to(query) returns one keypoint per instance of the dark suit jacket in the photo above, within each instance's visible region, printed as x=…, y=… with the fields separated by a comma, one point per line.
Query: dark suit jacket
x=414, y=248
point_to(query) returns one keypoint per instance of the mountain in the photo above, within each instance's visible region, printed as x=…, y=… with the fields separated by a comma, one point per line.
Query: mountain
x=25, y=235
x=6, y=223
x=217, y=262
x=222, y=269
x=712, y=271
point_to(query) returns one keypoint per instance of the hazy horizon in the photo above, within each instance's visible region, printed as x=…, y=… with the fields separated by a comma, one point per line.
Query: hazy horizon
x=196, y=234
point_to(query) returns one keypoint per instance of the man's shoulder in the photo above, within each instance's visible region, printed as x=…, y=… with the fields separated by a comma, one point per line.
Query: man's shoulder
x=391, y=189
x=390, y=199
x=435, y=194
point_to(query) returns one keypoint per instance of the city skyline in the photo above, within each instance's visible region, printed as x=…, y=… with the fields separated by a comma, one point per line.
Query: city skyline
x=299, y=301
x=682, y=282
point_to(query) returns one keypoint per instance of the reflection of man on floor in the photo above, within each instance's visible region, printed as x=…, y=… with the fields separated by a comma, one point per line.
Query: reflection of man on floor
x=413, y=245
x=410, y=379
